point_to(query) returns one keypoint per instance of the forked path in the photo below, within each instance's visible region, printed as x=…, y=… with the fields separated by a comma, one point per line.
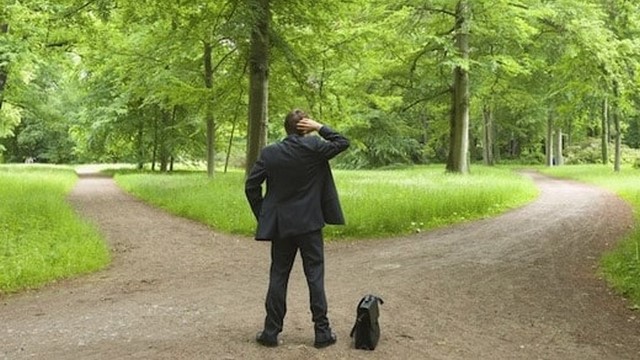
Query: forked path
x=519, y=286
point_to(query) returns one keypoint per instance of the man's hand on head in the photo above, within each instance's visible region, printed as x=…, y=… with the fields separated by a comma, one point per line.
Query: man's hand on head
x=307, y=125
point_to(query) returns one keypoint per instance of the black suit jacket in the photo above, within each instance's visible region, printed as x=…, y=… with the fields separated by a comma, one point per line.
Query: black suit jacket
x=300, y=192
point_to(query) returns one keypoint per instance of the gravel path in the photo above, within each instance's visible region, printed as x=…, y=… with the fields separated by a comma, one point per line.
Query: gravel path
x=519, y=286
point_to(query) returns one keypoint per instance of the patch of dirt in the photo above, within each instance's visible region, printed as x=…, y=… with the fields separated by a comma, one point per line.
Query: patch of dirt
x=519, y=286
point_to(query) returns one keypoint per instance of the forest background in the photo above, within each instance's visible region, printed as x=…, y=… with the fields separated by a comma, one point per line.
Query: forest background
x=410, y=82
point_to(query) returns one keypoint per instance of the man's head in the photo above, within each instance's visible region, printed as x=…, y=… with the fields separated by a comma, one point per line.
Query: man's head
x=291, y=121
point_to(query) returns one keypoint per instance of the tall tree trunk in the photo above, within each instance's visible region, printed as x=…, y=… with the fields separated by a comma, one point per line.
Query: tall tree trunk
x=459, y=145
x=209, y=119
x=156, y=142
x=616, y=127
x=226, y=160
x=164, y=150
x=4, y=71
x=140, y=143
x=233, y=129
x=487, y=153
x=605, y=131
x=558, y=147
x=139, y=116
x=549, y=140
x=258, y=82
x=514, y=146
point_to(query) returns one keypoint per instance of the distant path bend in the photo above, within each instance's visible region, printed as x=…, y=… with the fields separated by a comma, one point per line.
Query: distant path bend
x=519, y=286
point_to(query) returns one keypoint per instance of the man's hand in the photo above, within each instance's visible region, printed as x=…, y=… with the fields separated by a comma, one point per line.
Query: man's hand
x=307, y=125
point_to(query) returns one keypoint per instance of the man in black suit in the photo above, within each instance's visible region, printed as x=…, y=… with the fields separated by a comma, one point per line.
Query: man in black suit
x=300, y=198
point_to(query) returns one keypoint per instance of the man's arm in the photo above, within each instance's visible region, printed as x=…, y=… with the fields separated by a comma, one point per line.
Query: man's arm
x=335, y=144
x=253, y=187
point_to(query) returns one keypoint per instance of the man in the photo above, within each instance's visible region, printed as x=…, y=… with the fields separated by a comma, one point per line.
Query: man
x=300, y=198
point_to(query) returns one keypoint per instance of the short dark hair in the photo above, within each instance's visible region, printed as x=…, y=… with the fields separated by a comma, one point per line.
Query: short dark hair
x=291, y=121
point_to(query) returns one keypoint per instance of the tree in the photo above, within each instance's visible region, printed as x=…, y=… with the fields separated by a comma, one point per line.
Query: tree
x=459, y=140
x=4, y=61
x=605, y=131
x=176, y=63
x=621, y=66
x=258, y=81
x=159, y=81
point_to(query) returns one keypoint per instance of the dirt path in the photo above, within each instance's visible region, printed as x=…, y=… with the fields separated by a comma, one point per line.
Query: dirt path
x=521, y=286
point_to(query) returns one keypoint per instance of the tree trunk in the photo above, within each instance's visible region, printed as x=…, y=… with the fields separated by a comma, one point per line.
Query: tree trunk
x=4, y=71
x=156, y=141
x=209, y=119
x=140, y=141
x=605, y=131
x=549, y=140
x=164, y=152
x=487, y=153
x=139, y=117
x=233, y=129
x=459, y=144
x=569, y=134
x=258, y=82
x=616, y=128
x=558, y=147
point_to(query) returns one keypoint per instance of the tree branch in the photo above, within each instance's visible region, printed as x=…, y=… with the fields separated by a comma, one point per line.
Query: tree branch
x=447, y=90
x=441, y=11
x=215, y=68
x=79, y=8
x=60, y=43
x=518, y=5
x=218, y=23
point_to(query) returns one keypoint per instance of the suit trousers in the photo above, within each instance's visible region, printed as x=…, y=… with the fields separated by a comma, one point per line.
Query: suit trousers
x=283, y=253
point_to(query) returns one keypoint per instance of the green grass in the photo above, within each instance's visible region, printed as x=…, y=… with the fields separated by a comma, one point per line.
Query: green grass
x=41, y=238
x=376, y=203
x=621, y=266
x=219, y=203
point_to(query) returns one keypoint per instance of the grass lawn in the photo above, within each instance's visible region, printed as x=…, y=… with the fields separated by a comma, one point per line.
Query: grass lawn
x=41, y=238
x=376, y=203
x=621, y=266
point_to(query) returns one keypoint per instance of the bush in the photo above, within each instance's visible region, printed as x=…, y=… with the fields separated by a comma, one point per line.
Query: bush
x=590, y=152
x=586, y=152
x=381, y=140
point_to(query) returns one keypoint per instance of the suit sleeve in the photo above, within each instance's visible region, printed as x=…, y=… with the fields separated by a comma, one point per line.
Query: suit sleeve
x=253, y=186
x=335, y=143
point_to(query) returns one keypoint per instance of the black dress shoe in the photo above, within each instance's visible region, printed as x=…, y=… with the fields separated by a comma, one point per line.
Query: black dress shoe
x=323, y=344
x=265, y=342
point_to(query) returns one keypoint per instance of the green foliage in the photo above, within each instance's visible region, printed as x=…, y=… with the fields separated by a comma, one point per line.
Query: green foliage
x=41, y=237
x=42, y=129
x=125, y=82
x=381, y=142
x=9, y=118
x=621, y=266
x=588, y=152
x=632, y=138
x=376, y=203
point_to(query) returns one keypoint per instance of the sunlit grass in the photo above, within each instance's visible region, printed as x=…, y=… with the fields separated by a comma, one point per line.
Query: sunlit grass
x=41, y=238
x=376, y=203
x=621, y=266
x=218, y=202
